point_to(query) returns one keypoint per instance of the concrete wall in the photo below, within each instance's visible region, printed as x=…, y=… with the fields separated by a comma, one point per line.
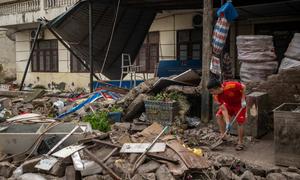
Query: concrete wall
x=164, y=23
x=7, y=57
x=72, y=80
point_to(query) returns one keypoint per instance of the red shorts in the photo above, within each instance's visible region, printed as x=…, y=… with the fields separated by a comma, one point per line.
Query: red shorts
x=232, y=111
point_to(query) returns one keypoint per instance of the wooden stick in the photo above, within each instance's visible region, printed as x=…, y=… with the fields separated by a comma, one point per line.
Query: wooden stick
x=175, y=161
x=106, y=143
x=110, y=172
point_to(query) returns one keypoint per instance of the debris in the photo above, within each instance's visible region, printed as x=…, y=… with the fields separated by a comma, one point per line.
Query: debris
x=63, y=139
x=6, y=169
x=31, y=176
x=275, y=176
x=142, y=147
x=248, y=176
x=148, y=167
x=135, y=108
x=163, y=173
x=36, y=94
x=67, y=151
x=191, y=160
x=71, y=174
x=111, y=173
x=226, y=174
x=5, y=102
x=46, y=163
x=291, y=175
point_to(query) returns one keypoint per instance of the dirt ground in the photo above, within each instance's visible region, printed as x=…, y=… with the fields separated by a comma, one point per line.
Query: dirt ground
x=257, y=151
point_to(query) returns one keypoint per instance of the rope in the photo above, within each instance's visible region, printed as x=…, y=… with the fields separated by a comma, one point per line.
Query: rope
x=110, y=40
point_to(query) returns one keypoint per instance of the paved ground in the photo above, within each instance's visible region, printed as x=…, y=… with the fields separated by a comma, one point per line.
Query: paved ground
x=258, y=151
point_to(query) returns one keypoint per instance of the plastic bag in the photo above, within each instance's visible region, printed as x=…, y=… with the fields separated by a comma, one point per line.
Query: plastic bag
x=215, y=65
x=228, y=11
x=219, y=35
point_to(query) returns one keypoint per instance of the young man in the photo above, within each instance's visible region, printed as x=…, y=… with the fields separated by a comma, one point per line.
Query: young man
x=231, y=98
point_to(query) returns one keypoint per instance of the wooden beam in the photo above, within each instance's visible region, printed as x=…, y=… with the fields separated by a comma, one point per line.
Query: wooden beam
x=206, y=57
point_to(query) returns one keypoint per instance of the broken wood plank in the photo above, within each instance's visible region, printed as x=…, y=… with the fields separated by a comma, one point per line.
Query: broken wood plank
x=110, y=172
x=106, y=143
x=14, y=93
x=191, y=160
x=68, y=151
x=165, y=158
x=36, y=94
x=142, y=147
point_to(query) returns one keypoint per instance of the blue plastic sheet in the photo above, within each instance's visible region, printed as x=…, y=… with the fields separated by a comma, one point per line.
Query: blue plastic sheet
x=91, y=99
x=229, y=12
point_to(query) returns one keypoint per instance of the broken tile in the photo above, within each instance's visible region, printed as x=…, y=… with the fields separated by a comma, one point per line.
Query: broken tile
x=163, y=173
x=148, y=167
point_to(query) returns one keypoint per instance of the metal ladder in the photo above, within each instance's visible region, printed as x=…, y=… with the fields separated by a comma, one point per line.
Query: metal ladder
x=128, y=68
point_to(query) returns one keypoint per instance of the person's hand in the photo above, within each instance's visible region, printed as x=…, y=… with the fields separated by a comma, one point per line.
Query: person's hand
x=228, y=126
x=244, y=104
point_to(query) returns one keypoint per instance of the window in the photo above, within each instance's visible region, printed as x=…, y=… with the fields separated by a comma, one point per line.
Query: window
x=189, y=44
x=76, y=66
x=149, y=53
x=45, y=56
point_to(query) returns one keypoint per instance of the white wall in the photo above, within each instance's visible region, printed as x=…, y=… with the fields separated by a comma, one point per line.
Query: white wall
x=7, y=56
x=168, y=23
x=164, y=23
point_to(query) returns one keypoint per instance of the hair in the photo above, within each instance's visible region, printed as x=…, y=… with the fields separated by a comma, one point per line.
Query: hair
x=213, y=83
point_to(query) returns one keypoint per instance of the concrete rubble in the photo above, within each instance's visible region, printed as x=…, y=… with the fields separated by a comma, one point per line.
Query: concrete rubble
x=120, y=118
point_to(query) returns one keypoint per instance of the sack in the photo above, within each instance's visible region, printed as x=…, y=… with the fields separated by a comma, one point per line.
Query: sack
x=219, y=35
x=288, y=63
x=257, y=71
x=215, y=65
x=293, y=50
x=255, y=48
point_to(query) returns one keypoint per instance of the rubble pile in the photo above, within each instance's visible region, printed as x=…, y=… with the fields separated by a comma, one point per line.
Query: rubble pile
x=287, y=80
x=229, y=167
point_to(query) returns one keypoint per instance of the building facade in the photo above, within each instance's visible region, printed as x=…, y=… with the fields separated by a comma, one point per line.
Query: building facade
x=52, y=63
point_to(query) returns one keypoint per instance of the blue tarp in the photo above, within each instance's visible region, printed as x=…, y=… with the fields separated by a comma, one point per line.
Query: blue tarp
x=91, y=99
x=228, y=11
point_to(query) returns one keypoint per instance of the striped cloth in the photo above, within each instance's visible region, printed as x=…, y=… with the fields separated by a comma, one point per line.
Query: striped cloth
x=220, y=35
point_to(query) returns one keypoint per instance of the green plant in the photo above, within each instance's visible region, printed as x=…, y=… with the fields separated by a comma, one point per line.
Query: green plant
x=115, y=109
x=172, y=96
x=98, y=120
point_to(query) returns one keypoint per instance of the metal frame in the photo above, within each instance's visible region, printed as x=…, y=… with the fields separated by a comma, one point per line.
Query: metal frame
x=30, y=56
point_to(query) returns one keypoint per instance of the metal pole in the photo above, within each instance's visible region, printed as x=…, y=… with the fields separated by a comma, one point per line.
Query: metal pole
x=30, y=56
x=206, y=57
x=91, y=44
x=71, y=50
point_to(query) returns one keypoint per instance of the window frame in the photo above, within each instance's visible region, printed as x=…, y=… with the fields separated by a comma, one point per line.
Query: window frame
x=189, y=43
x=45, y=52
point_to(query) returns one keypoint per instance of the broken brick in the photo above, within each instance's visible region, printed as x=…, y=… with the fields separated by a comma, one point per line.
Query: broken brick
x=6, y=169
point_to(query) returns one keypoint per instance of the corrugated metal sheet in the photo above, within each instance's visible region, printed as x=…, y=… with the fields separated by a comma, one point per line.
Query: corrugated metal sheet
x=131, y=28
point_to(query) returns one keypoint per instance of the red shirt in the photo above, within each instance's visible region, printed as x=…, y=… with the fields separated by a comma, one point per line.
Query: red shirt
x=232, y=94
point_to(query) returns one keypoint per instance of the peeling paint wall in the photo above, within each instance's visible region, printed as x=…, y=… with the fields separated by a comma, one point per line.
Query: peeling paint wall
x=7, y=57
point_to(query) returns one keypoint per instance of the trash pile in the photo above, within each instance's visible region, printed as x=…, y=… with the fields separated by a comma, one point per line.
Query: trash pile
x=144, y=133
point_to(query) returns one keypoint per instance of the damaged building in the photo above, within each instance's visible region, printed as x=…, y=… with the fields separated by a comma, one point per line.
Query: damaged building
x=148, y=114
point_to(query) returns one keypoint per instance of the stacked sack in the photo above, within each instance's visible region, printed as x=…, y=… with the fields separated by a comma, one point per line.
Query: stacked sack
x=258, y=58
x=292, y=54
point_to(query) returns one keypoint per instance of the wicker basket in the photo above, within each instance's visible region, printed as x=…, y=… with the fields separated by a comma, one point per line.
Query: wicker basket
x=161, y=112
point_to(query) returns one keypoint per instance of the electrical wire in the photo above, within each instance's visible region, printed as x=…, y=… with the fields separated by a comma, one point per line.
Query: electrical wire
x=110, y=40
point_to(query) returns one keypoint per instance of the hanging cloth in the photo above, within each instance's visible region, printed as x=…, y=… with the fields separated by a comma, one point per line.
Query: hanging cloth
x=228, y=11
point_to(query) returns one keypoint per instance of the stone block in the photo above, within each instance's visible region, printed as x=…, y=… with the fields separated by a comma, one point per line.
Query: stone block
x=257, y=111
